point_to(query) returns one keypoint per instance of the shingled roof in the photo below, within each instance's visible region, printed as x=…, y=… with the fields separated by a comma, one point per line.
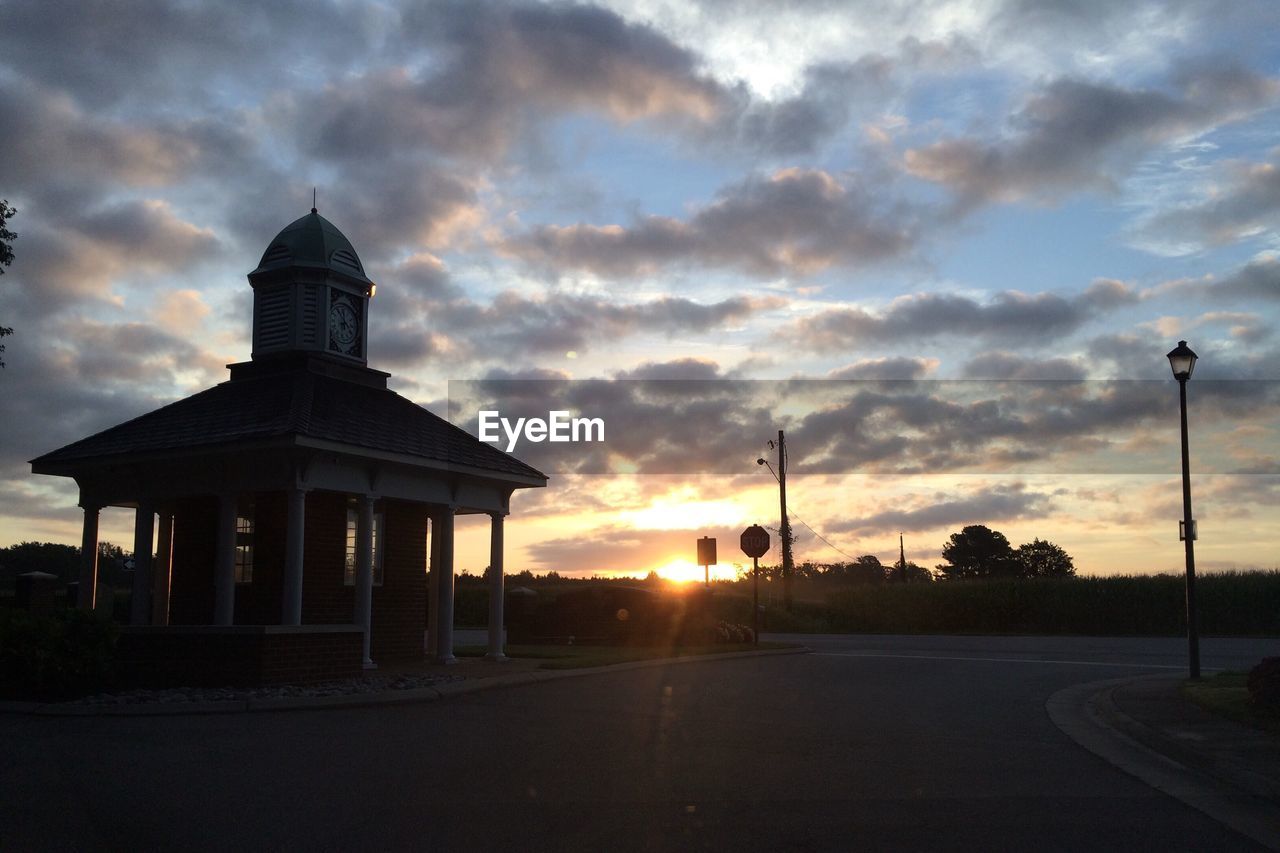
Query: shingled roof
x=299, y=402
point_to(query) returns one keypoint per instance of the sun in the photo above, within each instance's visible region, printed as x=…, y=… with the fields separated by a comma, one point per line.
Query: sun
x=683, y=571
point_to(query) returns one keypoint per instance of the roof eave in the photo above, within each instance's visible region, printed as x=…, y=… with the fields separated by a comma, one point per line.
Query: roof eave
x=79, y=465
x=518, y=480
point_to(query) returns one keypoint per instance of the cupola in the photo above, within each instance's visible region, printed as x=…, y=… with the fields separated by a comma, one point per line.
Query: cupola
x=311, y=294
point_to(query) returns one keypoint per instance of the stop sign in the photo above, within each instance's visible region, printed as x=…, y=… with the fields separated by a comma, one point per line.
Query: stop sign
x=755, y=541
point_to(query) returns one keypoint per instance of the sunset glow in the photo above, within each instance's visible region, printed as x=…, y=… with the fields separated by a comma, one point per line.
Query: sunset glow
x=684, y=571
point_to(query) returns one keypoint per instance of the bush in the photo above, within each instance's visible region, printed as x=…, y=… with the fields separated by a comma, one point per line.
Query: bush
x=1264, y=684
x=60, y=656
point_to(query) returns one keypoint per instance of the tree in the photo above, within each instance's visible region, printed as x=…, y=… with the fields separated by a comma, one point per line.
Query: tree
x=1042, y=559
x=866, y=569
x=978, y=551
x=916, y=573
x=60, y=560
x=109, y=551
x=6, y=256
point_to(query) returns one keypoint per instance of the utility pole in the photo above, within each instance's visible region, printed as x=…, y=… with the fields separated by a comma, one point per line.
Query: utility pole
x=785, y=528
x=902, y=560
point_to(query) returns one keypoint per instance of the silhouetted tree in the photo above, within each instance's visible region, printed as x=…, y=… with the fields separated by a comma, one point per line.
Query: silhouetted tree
x=1042, y=559
x=978, y=551
x=866, y=569
x=108, y=551
x=6, y=256
x=916, y=573
x=60, y=560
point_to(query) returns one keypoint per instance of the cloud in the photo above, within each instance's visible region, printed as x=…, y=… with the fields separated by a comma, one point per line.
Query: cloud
x=192, y=51
x=88, y=253
x=796, y=221
x=1258, y=279
x=84, y=376
x=513, y=326
x=1009, y=316
x=678, y=369
x=1244, y=205
x=886, y=368
x=984, y=506
x=1001, y=364
x=799, y=124
x=180, y=311
x=497, y=69
x=1075, y=134
x=52, y=143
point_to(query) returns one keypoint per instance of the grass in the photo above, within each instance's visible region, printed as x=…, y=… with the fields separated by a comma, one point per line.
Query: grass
x=1225, y=694
x=581, y=657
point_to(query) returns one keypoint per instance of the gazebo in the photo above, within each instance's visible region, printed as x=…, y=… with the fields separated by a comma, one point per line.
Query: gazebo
x=296, y=499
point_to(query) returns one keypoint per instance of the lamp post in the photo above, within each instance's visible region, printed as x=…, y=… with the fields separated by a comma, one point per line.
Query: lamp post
x=1183, y=361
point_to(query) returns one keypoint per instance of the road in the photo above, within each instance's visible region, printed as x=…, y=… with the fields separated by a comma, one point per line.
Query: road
x=870, y=743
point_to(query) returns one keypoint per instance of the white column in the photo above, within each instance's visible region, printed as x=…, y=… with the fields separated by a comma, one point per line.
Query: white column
x=444, y=585
x=144, y=531
x=224, y=563
x=294, y=544
x=495, y=587
x=163, y=570
x=88, y=558
x=364, y=574
x=433, y=590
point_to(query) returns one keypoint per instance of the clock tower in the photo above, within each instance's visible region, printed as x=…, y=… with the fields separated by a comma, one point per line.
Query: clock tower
x=311, y=294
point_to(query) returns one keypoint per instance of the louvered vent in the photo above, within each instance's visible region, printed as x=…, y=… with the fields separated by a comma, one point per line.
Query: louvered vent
x=277, y=253
x=272, y=326
x=344, y=258
x=310, y=315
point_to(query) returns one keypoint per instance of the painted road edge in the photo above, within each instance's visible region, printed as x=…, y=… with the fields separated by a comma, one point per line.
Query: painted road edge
x=1087, y=714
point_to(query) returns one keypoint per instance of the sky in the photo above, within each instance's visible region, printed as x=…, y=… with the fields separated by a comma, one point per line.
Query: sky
x=944, y=245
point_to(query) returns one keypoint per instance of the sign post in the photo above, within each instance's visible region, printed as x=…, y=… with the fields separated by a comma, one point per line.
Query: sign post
x=707, y=556
x=755, y=544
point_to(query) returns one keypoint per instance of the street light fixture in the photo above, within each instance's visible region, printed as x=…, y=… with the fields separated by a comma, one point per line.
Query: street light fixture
x=1183, y=361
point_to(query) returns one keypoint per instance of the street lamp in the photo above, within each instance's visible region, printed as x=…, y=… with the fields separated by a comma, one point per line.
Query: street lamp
x=1183, y=361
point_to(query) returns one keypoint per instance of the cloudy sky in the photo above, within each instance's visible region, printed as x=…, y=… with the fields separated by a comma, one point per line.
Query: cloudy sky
x=981, y=224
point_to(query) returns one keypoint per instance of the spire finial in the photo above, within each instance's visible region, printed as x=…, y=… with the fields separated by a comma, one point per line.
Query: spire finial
x=313, y=199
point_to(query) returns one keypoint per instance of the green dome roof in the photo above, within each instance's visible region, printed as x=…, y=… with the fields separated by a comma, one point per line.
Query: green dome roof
x=312, y=241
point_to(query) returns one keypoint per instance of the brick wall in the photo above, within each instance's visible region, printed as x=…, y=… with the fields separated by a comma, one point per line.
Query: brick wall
x=326, y=600
x=195, y=529
x=236, y=657
x=259, y=602
x=399, y=605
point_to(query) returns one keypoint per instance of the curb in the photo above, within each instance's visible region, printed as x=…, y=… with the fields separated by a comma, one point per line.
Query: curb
x=1088, y=714
x=362, y=700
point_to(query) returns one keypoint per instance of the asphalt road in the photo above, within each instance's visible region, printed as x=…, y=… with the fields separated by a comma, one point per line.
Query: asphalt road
x=871, y=743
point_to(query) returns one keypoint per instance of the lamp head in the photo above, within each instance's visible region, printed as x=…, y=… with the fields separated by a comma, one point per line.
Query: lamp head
x=1182, y=361
x=760, y=461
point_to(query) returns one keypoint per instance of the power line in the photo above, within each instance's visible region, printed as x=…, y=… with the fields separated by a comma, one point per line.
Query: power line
x=820, y=536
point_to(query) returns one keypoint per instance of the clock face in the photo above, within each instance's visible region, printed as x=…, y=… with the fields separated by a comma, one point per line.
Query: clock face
x=344, y=326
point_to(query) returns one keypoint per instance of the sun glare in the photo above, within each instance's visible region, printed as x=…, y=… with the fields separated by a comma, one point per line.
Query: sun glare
x=683, y=571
